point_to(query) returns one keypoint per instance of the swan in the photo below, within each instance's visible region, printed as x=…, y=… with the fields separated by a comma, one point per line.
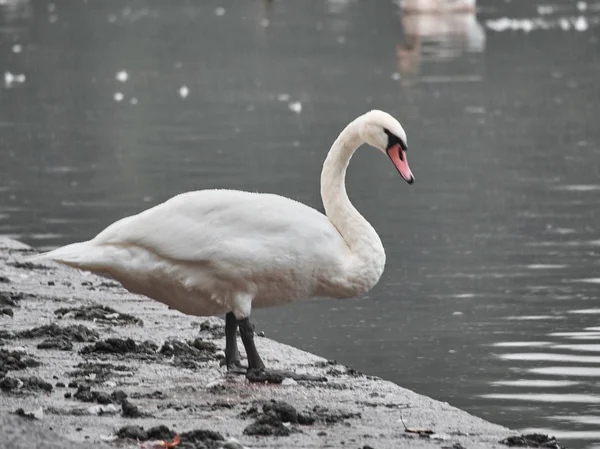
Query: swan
x=213, y=252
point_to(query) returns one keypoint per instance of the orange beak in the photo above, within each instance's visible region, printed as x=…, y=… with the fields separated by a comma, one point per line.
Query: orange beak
x=398, y=156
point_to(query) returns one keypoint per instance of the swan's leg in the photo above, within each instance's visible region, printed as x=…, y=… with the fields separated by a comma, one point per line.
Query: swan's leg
x=232, y=355
x=247, y=333
x=256, y=367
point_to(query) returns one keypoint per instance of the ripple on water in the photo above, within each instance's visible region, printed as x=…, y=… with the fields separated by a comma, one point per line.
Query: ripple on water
x=62, y=169
x=65, y=220
x=579, y=347
x=592, y=311
x=533, y=317
x=574, y=371
x=566, y=434
x=545, y=397
x=47, y=236
x=534, y=383
x=579, y=188
x=558, y=243
x=593, y=420
x=589, y=281
x=549, y=357
x=541, y=266
x=593, y=334
x=520, y=344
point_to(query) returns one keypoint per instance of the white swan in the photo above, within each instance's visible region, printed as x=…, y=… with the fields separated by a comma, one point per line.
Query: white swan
x=225, y=251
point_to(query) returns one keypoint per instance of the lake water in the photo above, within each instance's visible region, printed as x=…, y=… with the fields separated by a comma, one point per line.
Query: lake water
x=490, y=298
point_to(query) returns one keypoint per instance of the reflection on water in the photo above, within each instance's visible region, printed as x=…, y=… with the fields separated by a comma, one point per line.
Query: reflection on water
x=489, y=298
x=436, y=37
x=553, y=398
x=533, y=383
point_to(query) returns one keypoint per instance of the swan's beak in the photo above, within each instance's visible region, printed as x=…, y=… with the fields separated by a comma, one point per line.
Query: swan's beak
x=398, y=157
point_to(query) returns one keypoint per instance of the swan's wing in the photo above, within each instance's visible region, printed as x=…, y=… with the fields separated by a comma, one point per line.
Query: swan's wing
x=234, y=229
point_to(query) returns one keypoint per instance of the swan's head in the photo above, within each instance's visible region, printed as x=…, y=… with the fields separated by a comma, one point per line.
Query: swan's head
x=382, y=131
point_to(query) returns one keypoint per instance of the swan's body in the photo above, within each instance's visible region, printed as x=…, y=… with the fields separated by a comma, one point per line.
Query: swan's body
x=223, y=251
x=200, y=251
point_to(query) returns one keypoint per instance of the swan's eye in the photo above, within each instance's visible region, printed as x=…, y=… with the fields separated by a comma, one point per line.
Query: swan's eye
x=393, y=139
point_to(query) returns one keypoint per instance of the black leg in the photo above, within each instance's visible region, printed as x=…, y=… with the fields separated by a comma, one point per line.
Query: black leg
x=256, y=367
x=232, y=355
x=247, y=333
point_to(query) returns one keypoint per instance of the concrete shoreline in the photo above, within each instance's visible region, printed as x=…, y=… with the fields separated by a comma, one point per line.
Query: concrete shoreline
x=350, y=410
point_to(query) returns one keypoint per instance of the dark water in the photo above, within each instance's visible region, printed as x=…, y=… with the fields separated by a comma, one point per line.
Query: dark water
x=490, y=299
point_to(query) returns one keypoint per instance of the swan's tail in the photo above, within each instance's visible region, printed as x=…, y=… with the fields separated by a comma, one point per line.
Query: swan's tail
x=84, y=255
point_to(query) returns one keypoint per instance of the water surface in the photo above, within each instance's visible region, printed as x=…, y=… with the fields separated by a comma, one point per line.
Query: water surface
x=490, y=296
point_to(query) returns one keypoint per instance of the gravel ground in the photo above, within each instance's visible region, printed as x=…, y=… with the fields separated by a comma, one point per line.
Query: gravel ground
x=91, y=365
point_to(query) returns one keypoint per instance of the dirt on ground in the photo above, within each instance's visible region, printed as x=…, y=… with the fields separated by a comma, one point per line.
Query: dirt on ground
x=93, y=365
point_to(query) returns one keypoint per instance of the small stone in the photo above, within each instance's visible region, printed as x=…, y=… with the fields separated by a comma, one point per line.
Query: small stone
x=60, y=385
x=119, y=396
x=7, y=311
x=85, y=394
x=129, y=410
x=10, y=383
x=103, y=398
x=133, y=432
x=284, y=411
x=68, y=395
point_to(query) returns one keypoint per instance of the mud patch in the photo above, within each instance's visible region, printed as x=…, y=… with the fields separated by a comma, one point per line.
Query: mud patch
x=100, y=314
x=532, y=440
x=276, y=414
x=31, y=266
x=215, y=330
x=327, y=416
x=58, y=343
x=108, y=284
x=84, y=393
x=77, y=333
x=267, y=425
x=194, y=439
x=11, y=298
x=98, y=372
x=24, y=384
x=30, y=414
x=121, y=346
x=4, y=280
x=154, y=395
x=15, y=360
x=161, y=432
x=187, y=354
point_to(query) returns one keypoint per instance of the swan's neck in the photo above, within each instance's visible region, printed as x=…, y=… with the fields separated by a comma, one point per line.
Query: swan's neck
x=367, y=256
